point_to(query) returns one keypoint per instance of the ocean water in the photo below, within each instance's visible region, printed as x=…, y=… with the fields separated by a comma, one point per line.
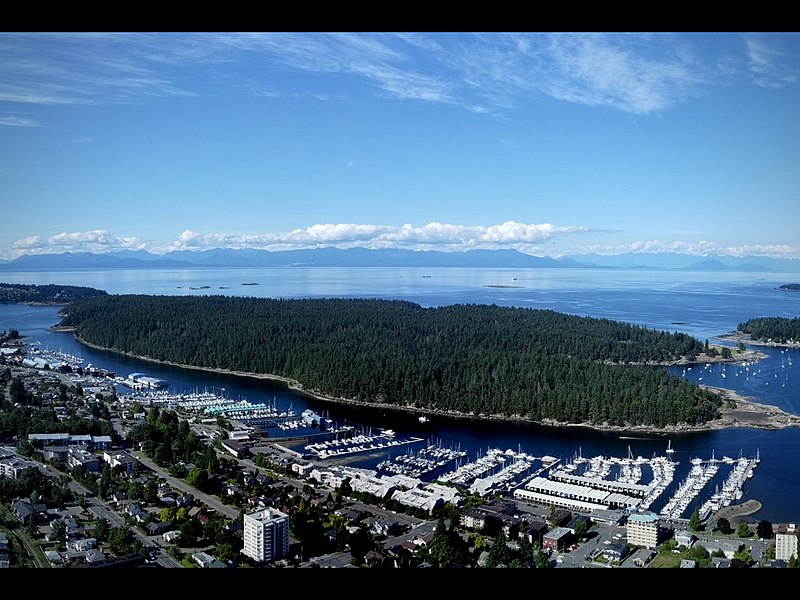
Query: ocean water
x=702, y=304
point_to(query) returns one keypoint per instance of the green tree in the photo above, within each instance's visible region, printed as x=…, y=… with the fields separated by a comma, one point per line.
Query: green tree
x=122, y=541
x=526, y=549
x=444, y=550
x=764, y=530
x=101, y=529
x=500, y=553
x=743, y=531
x=724, y=526
x=695, y=524
x=541, y=560
x=59, y=530
x=580, y=529
x=742, y=559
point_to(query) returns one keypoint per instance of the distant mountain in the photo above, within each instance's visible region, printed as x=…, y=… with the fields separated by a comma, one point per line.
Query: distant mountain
x=320, y=257
x=388, y=257
x=675, y=261
x=88, y=260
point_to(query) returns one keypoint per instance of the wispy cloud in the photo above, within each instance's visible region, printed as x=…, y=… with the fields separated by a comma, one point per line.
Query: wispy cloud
x=17, y=122
x=88, y=69
x=488, y=73
x=622, y=72
x=769, y=67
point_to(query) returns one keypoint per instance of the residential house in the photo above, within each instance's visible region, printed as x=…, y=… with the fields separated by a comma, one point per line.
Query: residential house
x=616, y=551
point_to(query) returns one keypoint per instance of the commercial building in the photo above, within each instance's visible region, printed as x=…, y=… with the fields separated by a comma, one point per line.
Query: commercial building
x=643, y=529
x=266, y=535
x=786, y=541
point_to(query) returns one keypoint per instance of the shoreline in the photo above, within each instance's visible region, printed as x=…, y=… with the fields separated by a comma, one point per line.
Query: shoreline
x=746, y=338
x=744, y=413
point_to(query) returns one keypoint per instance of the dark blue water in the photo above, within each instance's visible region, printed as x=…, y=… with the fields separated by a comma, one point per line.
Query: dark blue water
x=704, y=305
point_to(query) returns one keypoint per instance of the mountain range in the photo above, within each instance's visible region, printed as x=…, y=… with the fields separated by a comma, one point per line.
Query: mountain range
x=364, y=257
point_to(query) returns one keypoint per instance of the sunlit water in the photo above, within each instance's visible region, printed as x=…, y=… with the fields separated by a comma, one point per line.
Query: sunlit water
x=704, y=305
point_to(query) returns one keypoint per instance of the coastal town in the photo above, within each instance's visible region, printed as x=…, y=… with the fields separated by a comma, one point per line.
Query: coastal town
x=612, y=495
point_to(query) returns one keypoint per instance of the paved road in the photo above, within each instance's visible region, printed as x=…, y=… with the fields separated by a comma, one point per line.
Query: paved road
x=211, y=501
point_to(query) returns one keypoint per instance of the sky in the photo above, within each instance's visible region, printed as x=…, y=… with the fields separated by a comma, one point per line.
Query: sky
x=553, y=144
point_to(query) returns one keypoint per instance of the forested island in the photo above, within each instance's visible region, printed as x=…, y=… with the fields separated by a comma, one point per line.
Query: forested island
x=776, y=330
x=790, y=286
x=477, y=360
x=46, y=294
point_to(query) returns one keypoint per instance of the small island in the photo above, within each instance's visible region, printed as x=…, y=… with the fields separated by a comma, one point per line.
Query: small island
x=50, y=294
x=790, y=286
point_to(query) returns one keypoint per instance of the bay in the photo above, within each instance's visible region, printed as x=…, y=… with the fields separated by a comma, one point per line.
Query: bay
x=701, y=304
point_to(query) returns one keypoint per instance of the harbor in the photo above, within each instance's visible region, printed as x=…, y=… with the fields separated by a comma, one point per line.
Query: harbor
x=339, y=447
x=620, y=483
x=292, y=428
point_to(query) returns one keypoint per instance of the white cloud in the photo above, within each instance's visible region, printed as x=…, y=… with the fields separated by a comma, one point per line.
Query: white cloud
x=701, y=248
x=97, y=241
x=769, y=67
x=487, y=73
x=621, y=73
x=17, y=122
x=537, y=239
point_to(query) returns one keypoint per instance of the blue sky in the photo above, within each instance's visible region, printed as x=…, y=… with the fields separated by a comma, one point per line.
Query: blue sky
x=549, y=143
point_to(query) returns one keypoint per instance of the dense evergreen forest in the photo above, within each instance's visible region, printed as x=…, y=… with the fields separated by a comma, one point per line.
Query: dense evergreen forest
x=46, y=294
x=777, y=329
x=482, y=360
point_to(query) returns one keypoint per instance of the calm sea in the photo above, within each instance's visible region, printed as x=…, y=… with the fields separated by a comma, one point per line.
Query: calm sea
x=702, y=304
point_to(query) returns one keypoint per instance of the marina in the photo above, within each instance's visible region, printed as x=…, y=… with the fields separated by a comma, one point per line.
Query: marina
x=769, y=487
x=632, y=483
x=337, y=448
x=426, y=460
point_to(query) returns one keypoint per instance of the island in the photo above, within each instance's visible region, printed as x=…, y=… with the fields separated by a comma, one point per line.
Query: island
x=767, y=331
x=49, y=294
x=476, y=361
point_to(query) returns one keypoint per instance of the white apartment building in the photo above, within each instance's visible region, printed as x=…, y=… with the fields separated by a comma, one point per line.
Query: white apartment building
x=643, y=529
x=786, y=541
x=266, y=535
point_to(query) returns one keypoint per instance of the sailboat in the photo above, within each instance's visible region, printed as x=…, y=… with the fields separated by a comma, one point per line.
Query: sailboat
x=669, y=447
x=423, y=419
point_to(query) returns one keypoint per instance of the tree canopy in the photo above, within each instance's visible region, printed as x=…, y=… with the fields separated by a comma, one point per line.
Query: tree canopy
x=481, y=360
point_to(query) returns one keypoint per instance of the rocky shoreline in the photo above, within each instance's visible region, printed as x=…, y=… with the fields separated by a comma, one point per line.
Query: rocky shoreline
x=746, y=338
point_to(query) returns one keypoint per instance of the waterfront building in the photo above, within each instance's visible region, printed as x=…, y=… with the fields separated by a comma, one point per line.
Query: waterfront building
x=643, y=529
x=266, y=535
x=786, y=541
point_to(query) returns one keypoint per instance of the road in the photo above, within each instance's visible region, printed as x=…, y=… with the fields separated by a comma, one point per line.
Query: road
x=211, y=501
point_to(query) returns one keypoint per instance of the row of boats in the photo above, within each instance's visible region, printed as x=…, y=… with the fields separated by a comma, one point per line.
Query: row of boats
x=495, y=470
x=426, y=460
x=732, y=488
x=339, y=447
